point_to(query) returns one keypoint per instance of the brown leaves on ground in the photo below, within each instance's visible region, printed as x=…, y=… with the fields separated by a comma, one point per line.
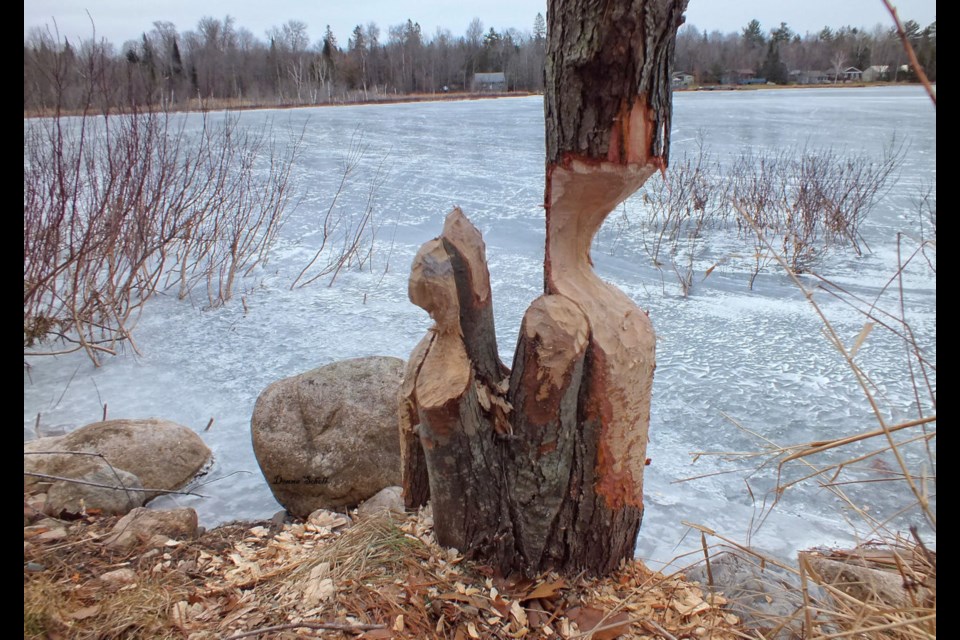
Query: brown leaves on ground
x=373, y=578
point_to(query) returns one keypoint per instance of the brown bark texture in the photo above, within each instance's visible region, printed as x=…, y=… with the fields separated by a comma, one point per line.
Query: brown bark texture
x=542, y=467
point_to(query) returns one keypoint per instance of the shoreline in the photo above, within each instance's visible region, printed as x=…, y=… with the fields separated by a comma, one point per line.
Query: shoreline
x=196, y=106
x=827, y=85
x=235, y=105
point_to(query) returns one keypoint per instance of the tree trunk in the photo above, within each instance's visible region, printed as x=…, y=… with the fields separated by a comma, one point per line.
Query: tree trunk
x=544, y=468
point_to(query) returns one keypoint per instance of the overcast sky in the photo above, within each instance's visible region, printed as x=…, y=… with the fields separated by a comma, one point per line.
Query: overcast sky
x=122, y=20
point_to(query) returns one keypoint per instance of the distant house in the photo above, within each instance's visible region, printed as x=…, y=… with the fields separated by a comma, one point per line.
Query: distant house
x=681, y=80
x=850, y=74
x=808, y=76
x=876, y=73
x=742, y=76
x=490, y=81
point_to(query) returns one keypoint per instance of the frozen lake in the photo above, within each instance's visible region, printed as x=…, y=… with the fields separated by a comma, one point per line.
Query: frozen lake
x=726, y=355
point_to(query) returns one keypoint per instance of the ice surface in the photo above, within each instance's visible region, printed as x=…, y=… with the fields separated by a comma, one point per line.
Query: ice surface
x=734, y=366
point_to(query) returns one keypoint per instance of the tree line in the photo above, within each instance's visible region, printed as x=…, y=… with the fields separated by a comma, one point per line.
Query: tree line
x=220, y=61
x=782, y=56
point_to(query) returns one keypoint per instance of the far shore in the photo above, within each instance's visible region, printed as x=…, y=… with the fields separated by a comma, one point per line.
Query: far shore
x=218, y=104
x=201, y=106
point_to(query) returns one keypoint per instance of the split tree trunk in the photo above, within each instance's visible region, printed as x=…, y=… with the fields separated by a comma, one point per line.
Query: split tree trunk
x=542, y=467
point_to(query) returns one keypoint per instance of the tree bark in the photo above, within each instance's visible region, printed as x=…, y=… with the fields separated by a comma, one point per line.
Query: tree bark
x=547, y=470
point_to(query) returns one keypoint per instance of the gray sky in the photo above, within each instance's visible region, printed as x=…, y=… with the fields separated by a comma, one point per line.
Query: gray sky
x=122, y=20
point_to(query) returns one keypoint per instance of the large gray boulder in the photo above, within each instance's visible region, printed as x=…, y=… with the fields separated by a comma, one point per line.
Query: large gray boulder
x=152, y=528
x=764, y=596
x=329, y=438
x=110, y=491
x=162, y=454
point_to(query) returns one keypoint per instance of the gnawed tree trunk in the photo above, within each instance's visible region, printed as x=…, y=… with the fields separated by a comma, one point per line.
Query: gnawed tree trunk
x=544, y=468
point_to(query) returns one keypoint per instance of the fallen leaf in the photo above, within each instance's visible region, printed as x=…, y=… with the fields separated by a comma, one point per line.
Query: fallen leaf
x=472, y=631
x=545, y=590
x=398, y=623
x=607, y=626
x=476, y=601
x=867, y=328
x=85, y=612
x=318, y=591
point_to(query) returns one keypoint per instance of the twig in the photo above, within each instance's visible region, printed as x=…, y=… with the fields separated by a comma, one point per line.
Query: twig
x=72, y=376
x=92, y=454
x=910, y=53
x=818, y=447
x=807, y=617
x=209, y=424
x=44, y=476
x=325, y=626
x=737, y=545
x=706, y=557
x=932, y=559
x=658, y=629
x=864, y=631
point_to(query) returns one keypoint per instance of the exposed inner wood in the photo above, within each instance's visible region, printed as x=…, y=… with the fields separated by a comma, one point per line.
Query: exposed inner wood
x=623, y=341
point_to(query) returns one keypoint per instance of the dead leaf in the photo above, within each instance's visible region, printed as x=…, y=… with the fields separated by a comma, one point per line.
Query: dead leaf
x=476, y=601
x=545, y=590
x=472, y=631
x=318, y=591
x=85, y=612
x=867, y=328
x=398, y=623
x=607, y=626
x=537, y=618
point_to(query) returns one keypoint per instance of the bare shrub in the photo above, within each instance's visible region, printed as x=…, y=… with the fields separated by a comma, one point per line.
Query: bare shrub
x=119, y=206
x=808, y=202
x=238, y=206
x=680, y=207
x=347, y=236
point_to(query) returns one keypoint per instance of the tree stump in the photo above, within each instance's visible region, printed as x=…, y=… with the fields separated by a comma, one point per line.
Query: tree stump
x=542, y=466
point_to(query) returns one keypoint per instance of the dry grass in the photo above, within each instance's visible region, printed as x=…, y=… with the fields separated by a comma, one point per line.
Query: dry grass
x=885, y=587
x=373, y=578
